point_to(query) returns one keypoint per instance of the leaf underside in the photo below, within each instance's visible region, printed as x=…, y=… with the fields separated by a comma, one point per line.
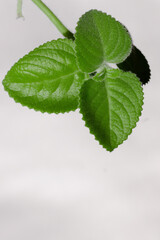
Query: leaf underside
x=100, y=38
x=138, y=64
x=47, y=79
x=111, y=108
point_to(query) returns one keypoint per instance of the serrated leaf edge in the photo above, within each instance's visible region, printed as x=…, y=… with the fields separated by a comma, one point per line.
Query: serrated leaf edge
x=91, y=130
x=36, y=109
x=125, y=57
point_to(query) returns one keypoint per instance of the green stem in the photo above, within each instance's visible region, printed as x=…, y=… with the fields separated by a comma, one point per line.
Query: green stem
x=59, y=25
x=19, y=9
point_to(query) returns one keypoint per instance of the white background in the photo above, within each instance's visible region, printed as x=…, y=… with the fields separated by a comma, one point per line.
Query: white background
x=56, y=181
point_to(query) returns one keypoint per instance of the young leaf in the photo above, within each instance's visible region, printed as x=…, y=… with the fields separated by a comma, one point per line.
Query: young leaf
x=100, y=38
x=112, y=107
x=47, y=79
x=137, y=63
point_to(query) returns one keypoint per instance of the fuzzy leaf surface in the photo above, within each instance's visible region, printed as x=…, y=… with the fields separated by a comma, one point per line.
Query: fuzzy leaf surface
x=47, y=79
x=100, y=38
x=138, y=64
x=111, y=108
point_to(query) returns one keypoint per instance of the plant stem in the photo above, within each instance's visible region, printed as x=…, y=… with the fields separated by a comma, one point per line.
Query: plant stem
x=59, y=25
x=19, y=9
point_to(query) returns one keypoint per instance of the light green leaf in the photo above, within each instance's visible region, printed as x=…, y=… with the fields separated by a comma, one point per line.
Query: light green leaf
x=100, y=38
x=112, y=107
x=47, y=79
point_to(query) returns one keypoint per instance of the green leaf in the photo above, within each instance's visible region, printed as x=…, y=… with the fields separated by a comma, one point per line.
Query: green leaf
x=47, y=79
x=137, y=63
x=112, y=107
x=100, y=38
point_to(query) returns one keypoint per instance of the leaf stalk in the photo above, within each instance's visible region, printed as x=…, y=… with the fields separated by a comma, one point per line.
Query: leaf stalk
x=53, y=18
x=19, y=9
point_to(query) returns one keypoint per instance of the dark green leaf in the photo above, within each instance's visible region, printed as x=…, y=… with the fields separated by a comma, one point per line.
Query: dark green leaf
x=137, y=63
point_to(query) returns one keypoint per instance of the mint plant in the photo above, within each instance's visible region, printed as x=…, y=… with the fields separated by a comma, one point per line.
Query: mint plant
x=76, y=72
